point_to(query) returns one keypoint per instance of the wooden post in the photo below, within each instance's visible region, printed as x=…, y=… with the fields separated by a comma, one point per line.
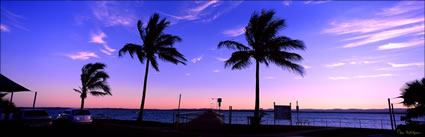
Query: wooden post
x=392, y=110
x=230, y=115
x=391, y=117
x=290, y=112
x=178, y=112
x=274, y=113
x=35, y=98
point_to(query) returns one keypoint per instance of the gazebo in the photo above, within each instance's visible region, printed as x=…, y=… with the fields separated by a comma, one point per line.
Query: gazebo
x=9, y=86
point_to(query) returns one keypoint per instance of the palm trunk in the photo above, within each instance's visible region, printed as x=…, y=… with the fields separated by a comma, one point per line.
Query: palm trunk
x=256, y=120
x=142, y=106
x=82, y=103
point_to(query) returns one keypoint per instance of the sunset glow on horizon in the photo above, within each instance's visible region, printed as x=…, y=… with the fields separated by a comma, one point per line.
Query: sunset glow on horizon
x=359, y=53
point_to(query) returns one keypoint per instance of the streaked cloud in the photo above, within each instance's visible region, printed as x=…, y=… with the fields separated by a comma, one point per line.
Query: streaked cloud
x=234, y=32
x=216, y=70
x=306, y=66
x=361, y=76
x=335, y=65
x=314, y=2
x=84, y=55
x=195, y=12
x=287, y=2
x=384, y=35
x=4, y=28
x=187, y=74
x=111, y=14
x=206, y=11
x=221, y=59
x=98, y=38
x=369, y=25
x=401, y=8
x=415, y=42
x=269, y=77
x=406, y=65
x=196, y=59
x=14, y=20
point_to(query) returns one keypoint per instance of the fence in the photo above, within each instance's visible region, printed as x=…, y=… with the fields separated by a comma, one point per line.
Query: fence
x=324, y=122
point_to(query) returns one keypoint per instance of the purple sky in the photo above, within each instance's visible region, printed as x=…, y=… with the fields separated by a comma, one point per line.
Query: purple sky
x=358, y=53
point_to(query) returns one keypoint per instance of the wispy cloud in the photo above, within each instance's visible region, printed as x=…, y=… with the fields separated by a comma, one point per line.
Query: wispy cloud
x=384, y=35
x=206, y=11
x=187, y=74
x=287, y=2
x=221, y=59
x=369, y=25
x=401, y=8
x=269, y=77
x=98, y=38
x=306, y=66
x=234, y=32
x=84, y=55
x=195, y=12
x=196, y=59
x=216, y=70
x=4, y=28
x=406, y=65
x=110, y=14
x=108, y=48
x=14, y=20
x=415, y=42
x=316, y=1
x=335, y=65
x=361, y=76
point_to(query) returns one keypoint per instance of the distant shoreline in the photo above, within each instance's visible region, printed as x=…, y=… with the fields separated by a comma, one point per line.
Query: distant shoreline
x=358, y=111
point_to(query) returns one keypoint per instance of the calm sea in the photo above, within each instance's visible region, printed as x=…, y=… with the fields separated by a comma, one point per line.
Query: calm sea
x=355, y=120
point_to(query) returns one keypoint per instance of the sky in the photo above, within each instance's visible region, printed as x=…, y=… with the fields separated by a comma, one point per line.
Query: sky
x=359, y=53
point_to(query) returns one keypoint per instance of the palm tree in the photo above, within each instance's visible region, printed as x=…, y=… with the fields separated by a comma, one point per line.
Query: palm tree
x=93, y=81
x=265, y=47
x=156, y=44
x=413, y=95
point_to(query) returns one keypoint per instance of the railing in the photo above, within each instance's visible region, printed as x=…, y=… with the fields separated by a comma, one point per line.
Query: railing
x=324, y=122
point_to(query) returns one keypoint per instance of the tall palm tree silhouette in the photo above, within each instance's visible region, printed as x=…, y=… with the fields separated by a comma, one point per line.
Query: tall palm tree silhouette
x=265, y=47
x=156, y=44
x=93, y=81
x=413, y=95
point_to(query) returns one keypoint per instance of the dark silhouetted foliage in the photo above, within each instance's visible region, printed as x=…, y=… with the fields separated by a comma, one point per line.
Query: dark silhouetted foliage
x=156, y=44
x=265, y=46
x=93, y=81
x=413, y=95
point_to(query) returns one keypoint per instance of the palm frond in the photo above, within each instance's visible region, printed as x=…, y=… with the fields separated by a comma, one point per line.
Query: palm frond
x=97, y=93
x=286, y=43
x=233, y=45
x=133, y=49
x=239, y=60
x=140, y=28
x=171, y=55
x=154, y=63
x=78, y=91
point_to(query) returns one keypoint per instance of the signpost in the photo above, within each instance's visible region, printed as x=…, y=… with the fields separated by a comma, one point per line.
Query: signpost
x=282, y=112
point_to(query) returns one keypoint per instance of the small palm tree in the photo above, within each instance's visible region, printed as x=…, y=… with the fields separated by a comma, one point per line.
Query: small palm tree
x=413, y=95
x=93, y=81
x=265, y=46
x=156, y=44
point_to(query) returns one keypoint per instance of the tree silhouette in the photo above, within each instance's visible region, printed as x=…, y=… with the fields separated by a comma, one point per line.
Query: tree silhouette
x=265, y=46
x=93, y=81
x=156, y=44
x=413, y=95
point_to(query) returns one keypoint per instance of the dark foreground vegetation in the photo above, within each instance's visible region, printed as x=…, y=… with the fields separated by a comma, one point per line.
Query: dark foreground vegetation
x=119, y=128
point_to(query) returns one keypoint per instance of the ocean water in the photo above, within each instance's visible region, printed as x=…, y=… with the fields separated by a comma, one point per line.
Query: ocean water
x=355, y=120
